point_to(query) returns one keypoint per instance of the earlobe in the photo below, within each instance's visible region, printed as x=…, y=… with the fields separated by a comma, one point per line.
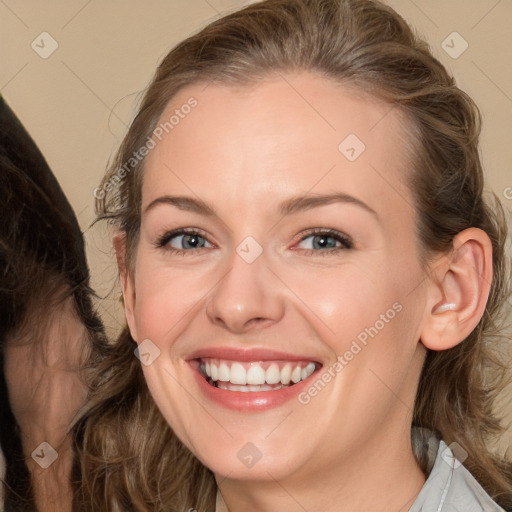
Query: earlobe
x=126, y=280
x=458, y=291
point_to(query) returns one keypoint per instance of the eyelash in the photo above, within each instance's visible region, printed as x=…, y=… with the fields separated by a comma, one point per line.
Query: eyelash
x=345, y=240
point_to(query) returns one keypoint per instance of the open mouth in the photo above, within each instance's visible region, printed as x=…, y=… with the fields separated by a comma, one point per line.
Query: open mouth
x=254, y=376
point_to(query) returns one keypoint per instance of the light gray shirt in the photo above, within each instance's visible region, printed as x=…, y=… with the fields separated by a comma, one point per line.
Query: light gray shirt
x=450, y=487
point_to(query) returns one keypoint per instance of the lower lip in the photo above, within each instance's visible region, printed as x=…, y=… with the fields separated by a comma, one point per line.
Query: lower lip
x=249, y=401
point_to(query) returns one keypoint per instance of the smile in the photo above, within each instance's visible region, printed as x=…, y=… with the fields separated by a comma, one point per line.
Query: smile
x=251, y=380
x=254, y=376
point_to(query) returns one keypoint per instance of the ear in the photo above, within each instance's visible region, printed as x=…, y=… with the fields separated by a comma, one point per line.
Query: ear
x=127, y=281
x=458, y=290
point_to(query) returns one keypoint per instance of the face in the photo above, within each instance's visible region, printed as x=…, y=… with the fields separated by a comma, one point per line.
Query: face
x=298, y=268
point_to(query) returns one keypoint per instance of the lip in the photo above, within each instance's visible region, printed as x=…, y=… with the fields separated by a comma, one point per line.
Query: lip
x=251, y=401
x=253, y=354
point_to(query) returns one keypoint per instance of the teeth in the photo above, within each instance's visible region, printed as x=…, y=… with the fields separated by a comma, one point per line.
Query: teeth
x=273, y=375
x=224, y=372
x=244, y=389
x=286, y=374
x=256, y=376
x=307, y=371
x=237, y=374
x=296, y=373
x=214, y=372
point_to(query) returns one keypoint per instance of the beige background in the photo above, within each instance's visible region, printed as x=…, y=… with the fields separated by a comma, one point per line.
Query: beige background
x=77, y=102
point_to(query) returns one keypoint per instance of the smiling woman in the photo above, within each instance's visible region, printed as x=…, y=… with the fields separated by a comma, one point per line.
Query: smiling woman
x=328, y=175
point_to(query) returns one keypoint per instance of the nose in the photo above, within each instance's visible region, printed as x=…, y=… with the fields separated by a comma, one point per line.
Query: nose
x=248, y=296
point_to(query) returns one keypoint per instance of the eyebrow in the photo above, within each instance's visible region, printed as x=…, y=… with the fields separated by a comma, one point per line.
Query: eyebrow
x=306, y=202
x=288, y=207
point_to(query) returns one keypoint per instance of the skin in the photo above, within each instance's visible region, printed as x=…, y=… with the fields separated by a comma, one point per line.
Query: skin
x=45, y=391
x=244, y=150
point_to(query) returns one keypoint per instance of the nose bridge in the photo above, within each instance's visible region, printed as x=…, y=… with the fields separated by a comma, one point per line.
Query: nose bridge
x=248, y=293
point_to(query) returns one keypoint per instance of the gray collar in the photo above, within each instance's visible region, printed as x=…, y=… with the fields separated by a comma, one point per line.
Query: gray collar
x=449, y=487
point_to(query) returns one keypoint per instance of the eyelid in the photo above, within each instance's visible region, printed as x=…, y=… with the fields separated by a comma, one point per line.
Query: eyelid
x=163, y=240
x=345, y=240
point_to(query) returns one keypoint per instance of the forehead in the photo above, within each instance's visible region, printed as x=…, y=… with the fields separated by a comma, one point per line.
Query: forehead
x=289, y=134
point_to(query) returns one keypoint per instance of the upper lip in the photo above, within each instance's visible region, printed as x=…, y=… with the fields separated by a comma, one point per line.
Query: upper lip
x=253, y=354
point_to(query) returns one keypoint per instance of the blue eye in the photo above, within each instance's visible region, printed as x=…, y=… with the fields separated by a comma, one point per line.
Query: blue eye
x=184, y=240
x=324, y=241
x=327, y=241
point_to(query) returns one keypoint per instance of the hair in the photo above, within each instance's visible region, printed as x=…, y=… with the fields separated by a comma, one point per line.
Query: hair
x=43, y=275
x=128, y=456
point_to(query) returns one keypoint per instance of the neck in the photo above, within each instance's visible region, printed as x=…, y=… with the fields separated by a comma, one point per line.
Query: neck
x=381, y=475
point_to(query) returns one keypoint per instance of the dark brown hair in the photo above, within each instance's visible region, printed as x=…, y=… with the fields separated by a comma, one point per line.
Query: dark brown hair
x=42, y=267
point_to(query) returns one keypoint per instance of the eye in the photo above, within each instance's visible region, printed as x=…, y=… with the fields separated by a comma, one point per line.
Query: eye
x=183, y=241
x=322, y=241
x=326, y=241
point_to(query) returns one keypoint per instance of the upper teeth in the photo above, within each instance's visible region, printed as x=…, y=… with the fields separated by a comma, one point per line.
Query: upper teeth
x=257, y=372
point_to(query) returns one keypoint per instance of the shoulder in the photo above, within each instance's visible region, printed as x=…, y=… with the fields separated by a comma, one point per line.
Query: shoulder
x=450, y=487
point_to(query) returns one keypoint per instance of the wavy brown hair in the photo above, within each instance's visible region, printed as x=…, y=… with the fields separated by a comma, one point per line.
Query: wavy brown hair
x=128, y=456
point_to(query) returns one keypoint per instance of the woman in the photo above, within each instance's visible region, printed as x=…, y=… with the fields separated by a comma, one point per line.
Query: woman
x=309, y=269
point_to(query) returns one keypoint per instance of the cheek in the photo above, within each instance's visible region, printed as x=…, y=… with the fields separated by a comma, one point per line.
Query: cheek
x=169, y=297
x=364, y=314
x=342, y=301
x=352, y=301
x=369, y=321
x=163, y=299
